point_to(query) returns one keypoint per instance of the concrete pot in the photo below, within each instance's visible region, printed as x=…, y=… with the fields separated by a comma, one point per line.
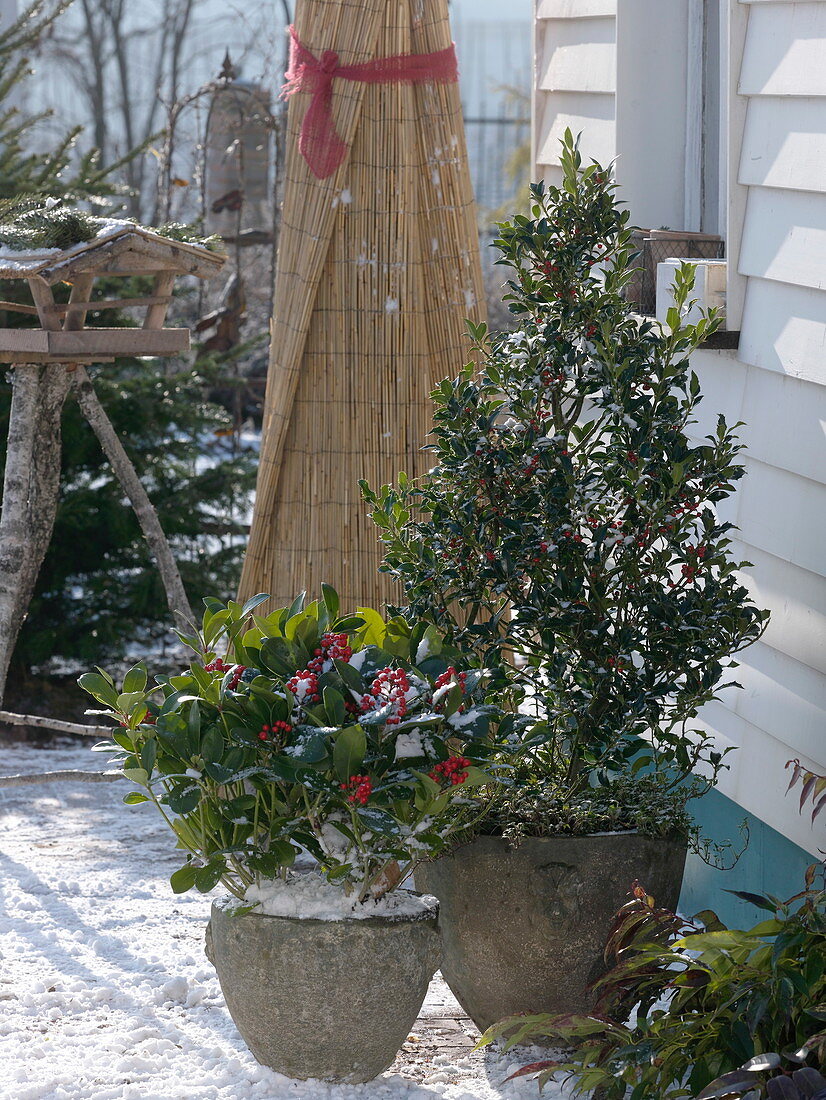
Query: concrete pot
x=524, y=929
x=328, y=999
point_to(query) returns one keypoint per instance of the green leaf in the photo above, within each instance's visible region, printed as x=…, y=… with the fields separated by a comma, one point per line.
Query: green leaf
x=99, y=688
x=253, y=602
x=193, y=723
x=373, y=631
x=350, y=676
x=184, y=878
x=134, y=680
x=184, y=800
x=331, y=602
x=129, y=701
x=134, y=797
x=348, y=752
x=277, y=657
x=137, y=775
x=208, y=877
x=212, y=745
x=149, y=754
x=334, y=707
x=378, y=821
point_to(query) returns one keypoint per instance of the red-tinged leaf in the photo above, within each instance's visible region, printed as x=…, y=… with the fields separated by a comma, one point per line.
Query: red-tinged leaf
x=819, y=806
x=795, y=773
x=808, y=787
x=534, y=1067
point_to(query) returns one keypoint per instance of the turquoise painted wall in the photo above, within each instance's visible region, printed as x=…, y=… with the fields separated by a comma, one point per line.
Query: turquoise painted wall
x=770, y=865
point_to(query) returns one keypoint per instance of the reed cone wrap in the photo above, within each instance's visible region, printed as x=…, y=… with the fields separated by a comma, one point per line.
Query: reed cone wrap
x=378, y=268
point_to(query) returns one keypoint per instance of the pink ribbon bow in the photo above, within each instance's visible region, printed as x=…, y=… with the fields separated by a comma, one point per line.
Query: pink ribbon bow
x=319, y=143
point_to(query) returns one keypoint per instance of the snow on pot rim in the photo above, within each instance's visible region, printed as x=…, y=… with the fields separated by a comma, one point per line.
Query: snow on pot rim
x=308, y=896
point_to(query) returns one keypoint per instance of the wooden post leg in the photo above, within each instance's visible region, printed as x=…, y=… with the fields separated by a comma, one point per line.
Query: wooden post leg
x=119, y=460
x=30, y=491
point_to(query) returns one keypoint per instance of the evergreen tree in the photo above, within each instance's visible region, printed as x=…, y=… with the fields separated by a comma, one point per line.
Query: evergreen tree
x=98, y=586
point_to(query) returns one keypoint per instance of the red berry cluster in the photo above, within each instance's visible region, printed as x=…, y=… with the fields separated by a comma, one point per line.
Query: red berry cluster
x=360, y=788
x=390, y=686
x=693, y=568
x=453, y=770
x=616, y=663
x=220, y=666
x=304, y=685
x=268, y=732
x=448, y=676
x=332, y=647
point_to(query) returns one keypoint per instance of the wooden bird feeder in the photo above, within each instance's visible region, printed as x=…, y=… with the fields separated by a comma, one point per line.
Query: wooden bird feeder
x=48, y=364
x=123, y=251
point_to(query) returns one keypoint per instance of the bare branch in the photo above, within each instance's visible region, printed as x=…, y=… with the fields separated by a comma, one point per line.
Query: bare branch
x=38, y=721
x=59, y=777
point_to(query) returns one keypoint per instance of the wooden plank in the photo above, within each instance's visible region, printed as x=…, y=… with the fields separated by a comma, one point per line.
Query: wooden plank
x=784, y=143
x=75, y=312
x=784, y=330
x=119, y=341
x=785, y=50
x=92, y=342
x=577, y=56
x=575, y=9
x=101, y=304
x=784, y=237
x=732, y=194
x=17, y=307
x=44, y=300
x=591, y=115
x=156, y=314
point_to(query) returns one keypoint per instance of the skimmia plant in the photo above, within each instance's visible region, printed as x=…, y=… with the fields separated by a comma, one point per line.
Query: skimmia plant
x=570, y=517
x=351, y=738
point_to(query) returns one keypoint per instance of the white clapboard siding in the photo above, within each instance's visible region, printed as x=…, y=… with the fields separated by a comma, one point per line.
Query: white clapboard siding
x=757, y=776
x=784, y=143
x=574, y=9
x=784, y=50
x=783, y=697
x=784, y=329
x=582, y=113
x=785, y=236
x=575, y=81
x=577, y=55
x=796, y=599
x=781, y=514
x=744, y=393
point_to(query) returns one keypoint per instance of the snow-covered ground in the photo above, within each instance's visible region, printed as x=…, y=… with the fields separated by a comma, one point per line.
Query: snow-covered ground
x=105, y=991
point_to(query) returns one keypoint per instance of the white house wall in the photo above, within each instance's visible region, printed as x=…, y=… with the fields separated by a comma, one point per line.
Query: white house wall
x=776, y=381
x=575, y=74
x=616, y=72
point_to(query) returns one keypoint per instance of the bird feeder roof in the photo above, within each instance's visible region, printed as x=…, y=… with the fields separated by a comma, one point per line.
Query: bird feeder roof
x=119, y=248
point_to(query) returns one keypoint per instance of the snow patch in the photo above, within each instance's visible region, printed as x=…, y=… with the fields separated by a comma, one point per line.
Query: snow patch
x=308, y=896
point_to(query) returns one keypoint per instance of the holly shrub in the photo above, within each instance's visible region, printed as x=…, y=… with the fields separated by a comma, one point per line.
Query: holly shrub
x=568, y=530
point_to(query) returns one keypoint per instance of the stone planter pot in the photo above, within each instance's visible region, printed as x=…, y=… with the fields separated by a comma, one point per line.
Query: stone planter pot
x=328, y=999
x=524, y=929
